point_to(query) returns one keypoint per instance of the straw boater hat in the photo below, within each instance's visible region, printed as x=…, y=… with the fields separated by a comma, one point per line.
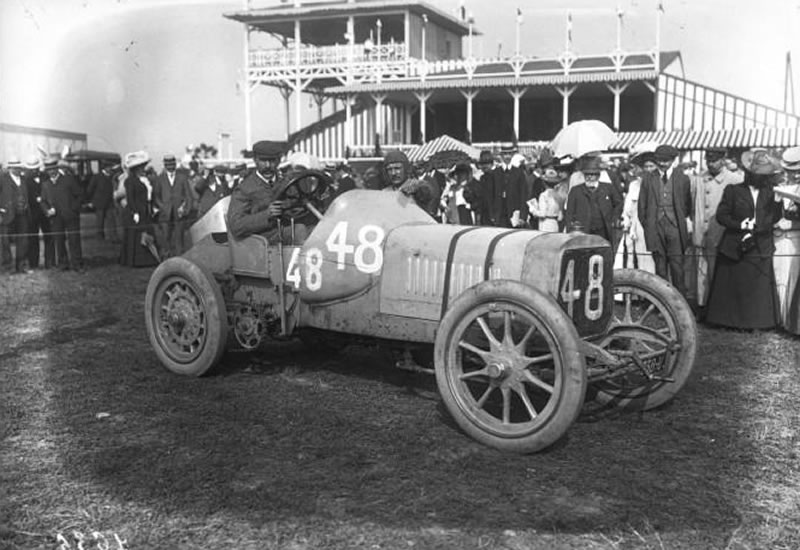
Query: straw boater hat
x=33, y=162
x=790, y=160
x=137, y=158
x=13, y=162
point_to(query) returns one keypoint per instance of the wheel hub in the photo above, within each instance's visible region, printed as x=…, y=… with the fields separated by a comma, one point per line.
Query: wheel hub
x=182, y=316
x=497, y=371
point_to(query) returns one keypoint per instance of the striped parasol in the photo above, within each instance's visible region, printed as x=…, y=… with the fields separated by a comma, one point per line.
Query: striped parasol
x=442, y=143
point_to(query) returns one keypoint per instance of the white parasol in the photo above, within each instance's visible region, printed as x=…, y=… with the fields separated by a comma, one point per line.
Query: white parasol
x=582, y=137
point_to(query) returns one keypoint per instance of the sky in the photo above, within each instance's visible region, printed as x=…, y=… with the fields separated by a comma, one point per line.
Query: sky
x=162, y=74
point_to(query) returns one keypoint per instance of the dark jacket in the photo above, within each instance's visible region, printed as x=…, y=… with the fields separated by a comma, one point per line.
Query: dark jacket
x=249, y=202
x=168, y=198
x=478, y=194
x=12, y=198
x=579, y=206
x=648, y=206
x=101, y=191
x=64, y=195
x=136, y=194
x=737, y=205
x=208, y=196
x=509, y=192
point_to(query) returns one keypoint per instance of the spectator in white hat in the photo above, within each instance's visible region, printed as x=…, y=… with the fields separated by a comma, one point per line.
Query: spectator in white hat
x=14, y=218
x=786, y=259
x=138, y=220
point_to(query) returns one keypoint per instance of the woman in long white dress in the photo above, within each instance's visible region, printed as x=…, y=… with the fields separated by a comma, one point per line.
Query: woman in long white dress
x=632, y=251
x=786, y=260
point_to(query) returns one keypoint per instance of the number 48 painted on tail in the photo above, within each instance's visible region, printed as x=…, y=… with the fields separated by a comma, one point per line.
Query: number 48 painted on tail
x=367, y=255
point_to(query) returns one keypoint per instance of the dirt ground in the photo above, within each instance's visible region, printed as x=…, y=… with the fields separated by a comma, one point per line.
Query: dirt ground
x=290, y=449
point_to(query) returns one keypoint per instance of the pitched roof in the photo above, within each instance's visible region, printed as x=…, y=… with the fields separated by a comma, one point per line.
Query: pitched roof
x=441, y=143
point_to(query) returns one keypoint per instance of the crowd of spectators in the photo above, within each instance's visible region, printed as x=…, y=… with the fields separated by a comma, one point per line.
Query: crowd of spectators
x=727, y=237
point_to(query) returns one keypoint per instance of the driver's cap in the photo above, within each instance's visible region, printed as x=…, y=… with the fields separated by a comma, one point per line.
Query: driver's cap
x=269, y=149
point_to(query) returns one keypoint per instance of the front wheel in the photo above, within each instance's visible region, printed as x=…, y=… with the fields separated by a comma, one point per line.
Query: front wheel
x=508, y=366
x=654, y=331
x=185, y=317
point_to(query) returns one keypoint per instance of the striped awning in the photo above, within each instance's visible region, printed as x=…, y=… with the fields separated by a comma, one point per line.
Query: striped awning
x=688, y=140
x=442, y=143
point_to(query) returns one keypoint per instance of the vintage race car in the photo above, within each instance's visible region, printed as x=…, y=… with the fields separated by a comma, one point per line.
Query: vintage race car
x=522, y=324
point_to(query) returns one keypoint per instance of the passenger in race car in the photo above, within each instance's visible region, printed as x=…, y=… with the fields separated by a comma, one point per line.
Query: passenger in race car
x=398, y=178
x=254, y=207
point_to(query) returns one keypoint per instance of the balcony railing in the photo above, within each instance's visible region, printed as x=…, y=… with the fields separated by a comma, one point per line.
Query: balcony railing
x=337, y=55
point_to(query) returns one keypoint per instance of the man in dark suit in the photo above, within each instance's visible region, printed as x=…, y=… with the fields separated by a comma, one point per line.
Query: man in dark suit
x=509, y=193
x=39, y=223
x=173, y=201
x=665, y=210
x=211, y=189
x=593, y=206
x=479, y=191
x=61, y=197
x=100, y=192
x=14, y=218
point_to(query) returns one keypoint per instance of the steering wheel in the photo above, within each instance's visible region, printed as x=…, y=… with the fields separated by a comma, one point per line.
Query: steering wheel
x=306, y=191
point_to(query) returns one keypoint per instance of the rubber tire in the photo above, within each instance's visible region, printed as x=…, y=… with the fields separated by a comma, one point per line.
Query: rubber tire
x=559, y=329
x=683, y=319
x=203, y=284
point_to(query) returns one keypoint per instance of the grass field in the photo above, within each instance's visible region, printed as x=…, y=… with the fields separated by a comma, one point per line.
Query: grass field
x=291, y=449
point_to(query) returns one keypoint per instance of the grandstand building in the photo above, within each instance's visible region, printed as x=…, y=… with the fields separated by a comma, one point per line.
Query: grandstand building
x=401, y=72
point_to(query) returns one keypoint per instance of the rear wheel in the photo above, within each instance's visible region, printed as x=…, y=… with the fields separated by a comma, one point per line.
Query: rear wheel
x=185, y=317
x=508, y=366
x=653, y=323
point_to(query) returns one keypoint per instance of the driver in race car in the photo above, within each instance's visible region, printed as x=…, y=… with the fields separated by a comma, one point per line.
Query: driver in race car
x=398, y=178
x=254, y=207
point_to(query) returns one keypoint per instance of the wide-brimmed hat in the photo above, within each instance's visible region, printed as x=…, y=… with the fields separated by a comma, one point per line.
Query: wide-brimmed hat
x=50, y=163
x=759, y=161
x=302, y=161
x=13, y=162
x=170, y=160
x=591, y=164
x=790, y=160
x=136, y=158
x=486, y=157
x=462, y=168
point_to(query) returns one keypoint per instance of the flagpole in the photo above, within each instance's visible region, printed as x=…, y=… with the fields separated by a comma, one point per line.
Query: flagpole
x=659, y=11
x=568, y=37
x=619, y=27
x=519, y=22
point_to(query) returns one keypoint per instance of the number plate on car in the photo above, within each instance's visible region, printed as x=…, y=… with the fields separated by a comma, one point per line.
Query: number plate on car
x=586, y=288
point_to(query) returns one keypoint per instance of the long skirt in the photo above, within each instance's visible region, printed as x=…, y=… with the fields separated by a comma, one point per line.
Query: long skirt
x=133, y=252
x=743, y=293
x=786, y=262
x=632, y=252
